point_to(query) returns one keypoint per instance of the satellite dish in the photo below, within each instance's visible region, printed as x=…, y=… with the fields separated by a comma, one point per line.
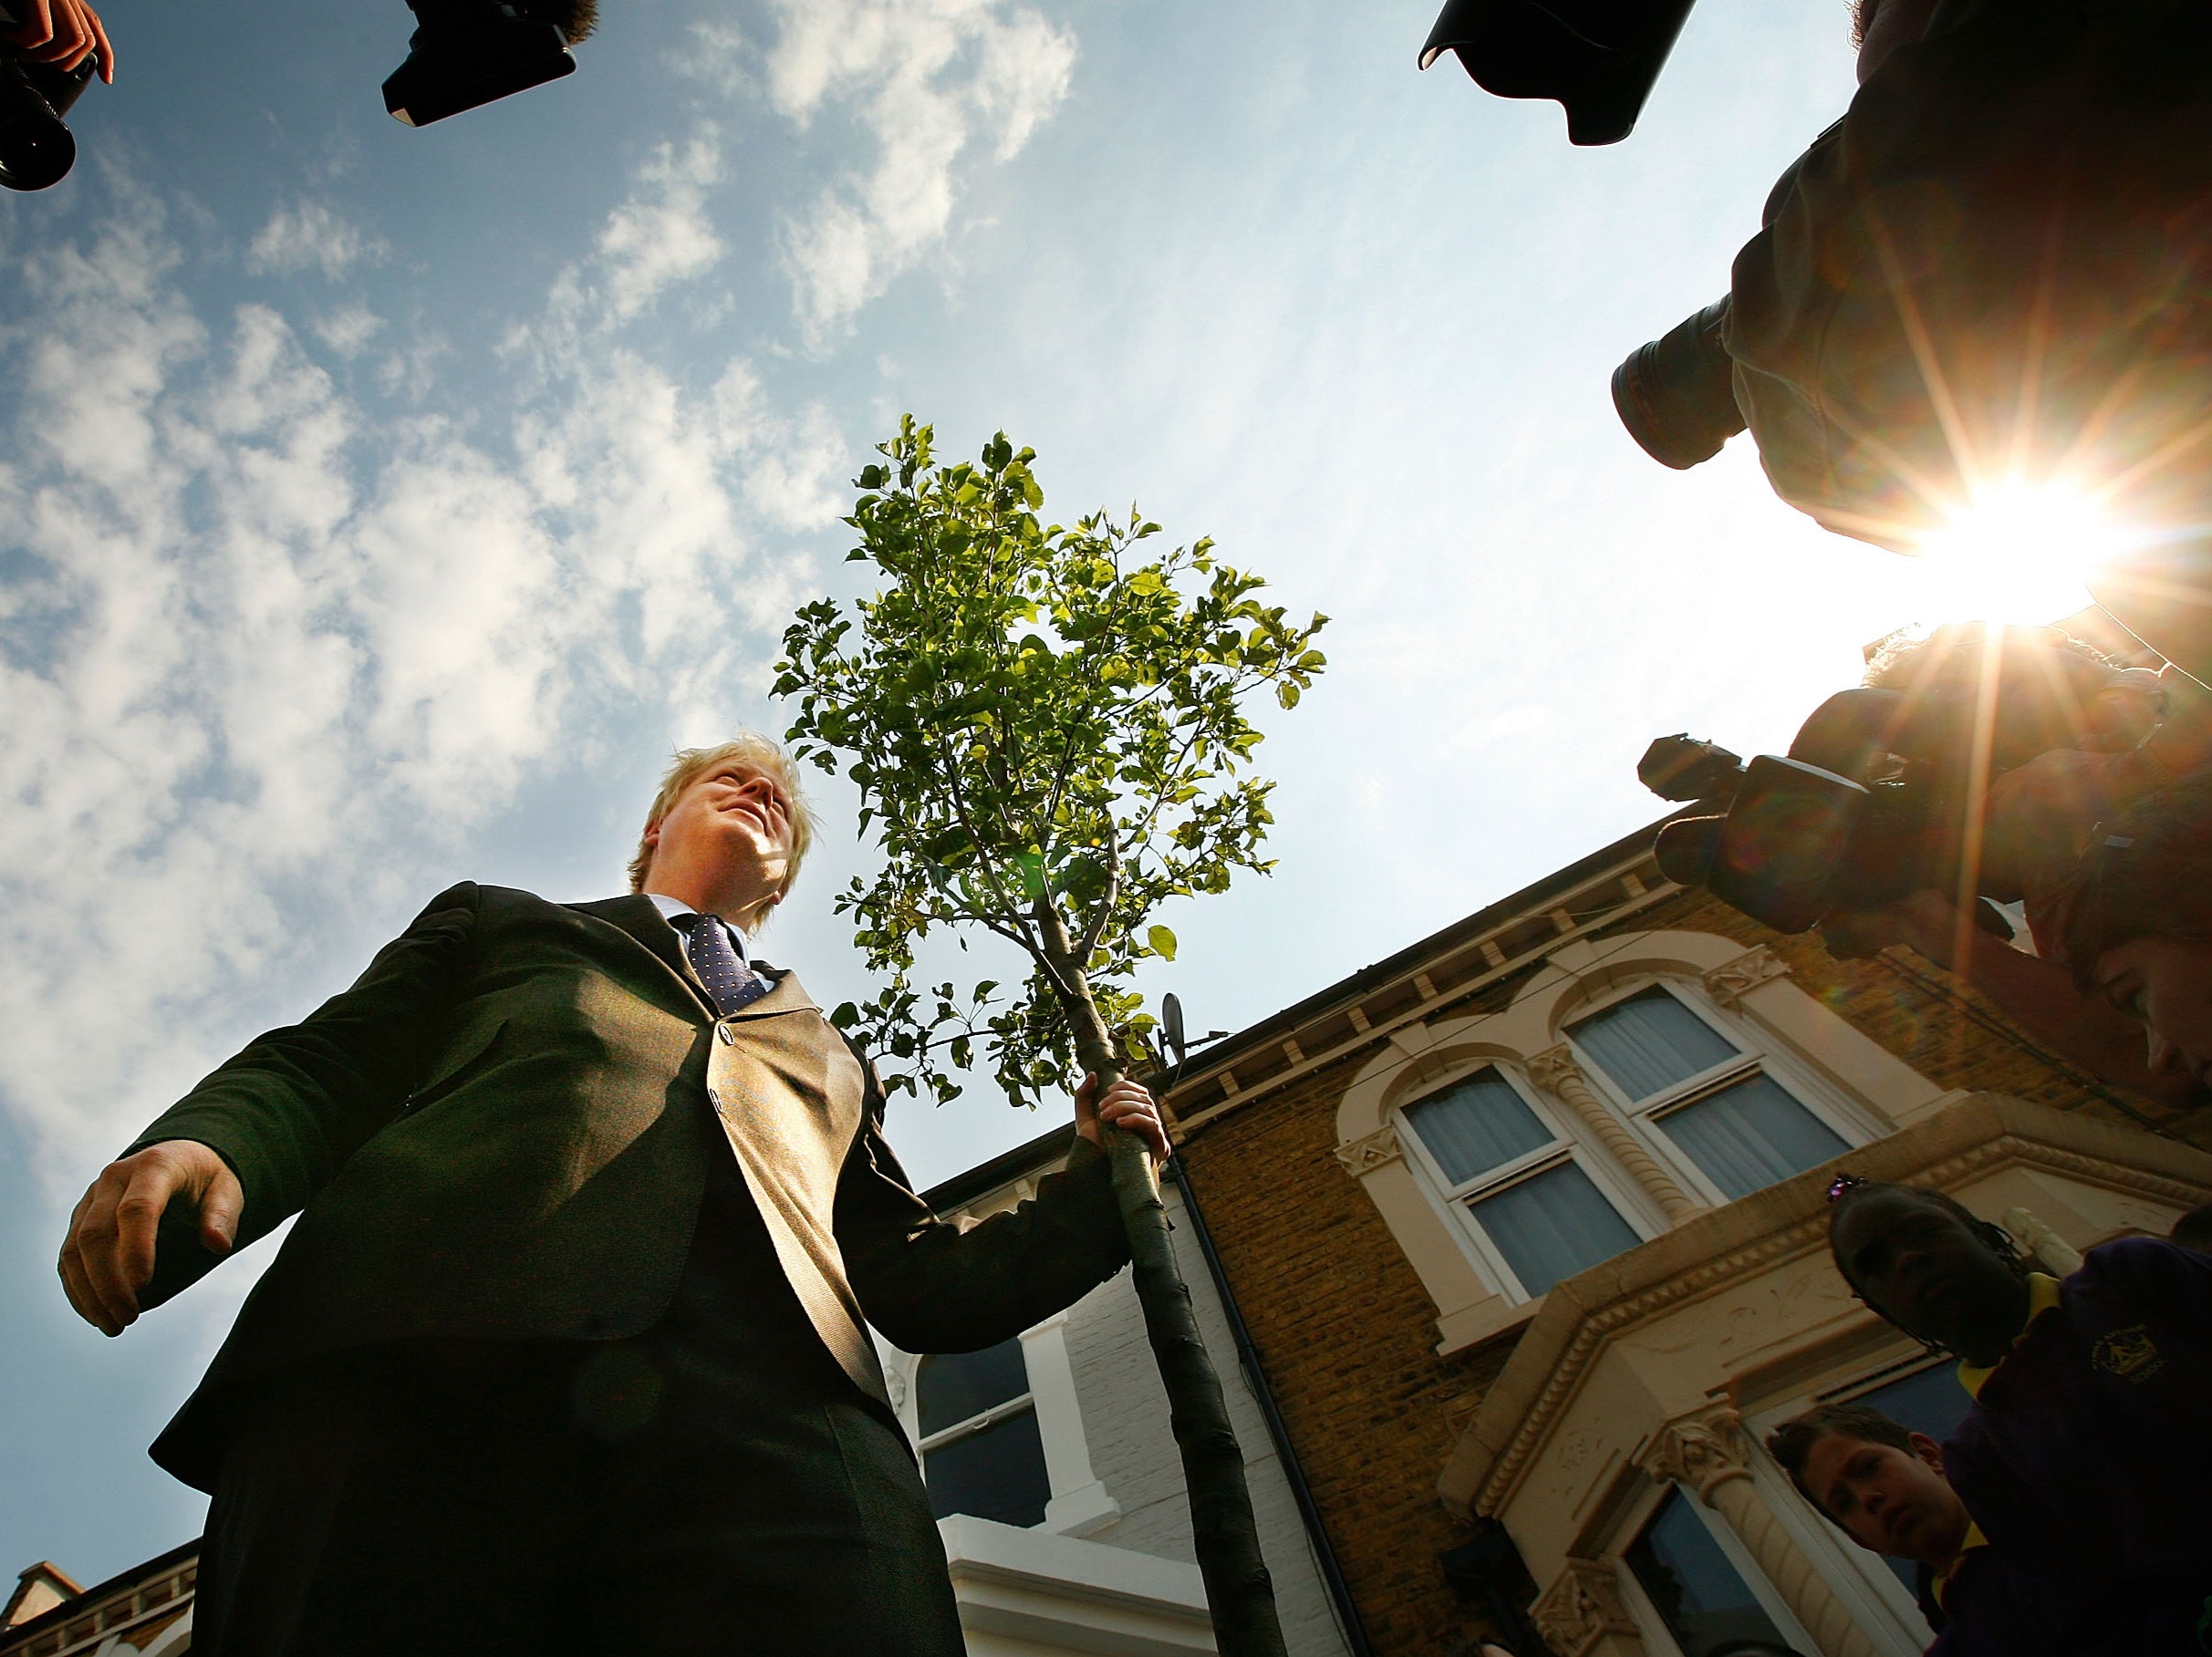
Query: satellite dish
x=1171, y=1025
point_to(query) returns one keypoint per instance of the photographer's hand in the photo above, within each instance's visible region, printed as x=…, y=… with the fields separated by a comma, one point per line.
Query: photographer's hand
x=63, y=32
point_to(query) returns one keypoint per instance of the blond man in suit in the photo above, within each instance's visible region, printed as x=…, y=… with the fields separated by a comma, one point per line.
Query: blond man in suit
x=567, y=1352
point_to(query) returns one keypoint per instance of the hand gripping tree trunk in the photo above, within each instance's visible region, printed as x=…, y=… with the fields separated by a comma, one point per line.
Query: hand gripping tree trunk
x=1045, y=729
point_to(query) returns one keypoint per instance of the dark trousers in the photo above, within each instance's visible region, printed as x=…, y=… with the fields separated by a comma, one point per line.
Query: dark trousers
x=715, y=1484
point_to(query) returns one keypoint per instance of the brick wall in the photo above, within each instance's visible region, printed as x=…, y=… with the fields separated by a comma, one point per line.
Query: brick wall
x=1347, y=1335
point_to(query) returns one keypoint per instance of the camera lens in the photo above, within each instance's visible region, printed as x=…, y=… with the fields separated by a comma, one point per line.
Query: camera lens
x=36, y=147
x=1677, y=395
x=35, y=153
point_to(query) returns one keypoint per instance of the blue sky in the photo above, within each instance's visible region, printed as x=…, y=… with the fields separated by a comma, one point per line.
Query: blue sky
x=379, y=507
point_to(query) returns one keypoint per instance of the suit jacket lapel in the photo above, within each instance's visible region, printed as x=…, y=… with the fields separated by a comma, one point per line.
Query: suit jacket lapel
x=788, y=995
x=638, y=916
x=650, y=930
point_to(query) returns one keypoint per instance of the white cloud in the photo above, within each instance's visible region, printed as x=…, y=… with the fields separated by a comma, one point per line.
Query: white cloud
x=349, y=329
x=927, y=80
x=661, y=237
x=310, y=235
x=259, y=640
x=658, y=238
x=716, y=55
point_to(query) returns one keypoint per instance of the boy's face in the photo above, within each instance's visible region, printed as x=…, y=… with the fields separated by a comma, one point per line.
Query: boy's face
x=1889, y=1500
x=2165, y=984
x=1930, y=1273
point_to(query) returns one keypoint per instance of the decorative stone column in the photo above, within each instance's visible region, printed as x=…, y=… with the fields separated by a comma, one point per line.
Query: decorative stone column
x=2045, y=1247
x=1581, y=1614
x=1707, y=1454
x=1555, y=1071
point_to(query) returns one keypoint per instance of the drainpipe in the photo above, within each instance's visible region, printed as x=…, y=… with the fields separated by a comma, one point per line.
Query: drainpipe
x=1248, y=1359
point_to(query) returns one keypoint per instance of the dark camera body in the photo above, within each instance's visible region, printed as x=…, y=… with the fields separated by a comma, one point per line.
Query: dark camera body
x=36, y=148
x=1798, y=843
x=1598, y=57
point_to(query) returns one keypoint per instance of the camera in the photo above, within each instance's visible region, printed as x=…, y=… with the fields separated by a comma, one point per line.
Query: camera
x=469, y=52
x=36, y=147
x=1677, y=395
x=1598, y=57
x=1798, y=843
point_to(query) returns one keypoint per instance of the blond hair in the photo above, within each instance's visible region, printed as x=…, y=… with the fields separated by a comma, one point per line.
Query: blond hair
x=764, y=755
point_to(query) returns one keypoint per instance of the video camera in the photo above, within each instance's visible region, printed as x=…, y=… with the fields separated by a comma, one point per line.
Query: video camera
x=36, y=147
x=1797, y=842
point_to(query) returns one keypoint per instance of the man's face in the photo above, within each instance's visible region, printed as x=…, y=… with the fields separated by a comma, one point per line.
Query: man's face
x=1930, y=1273
x=1890, y=1500
x=2165, y=984
x=735, y=820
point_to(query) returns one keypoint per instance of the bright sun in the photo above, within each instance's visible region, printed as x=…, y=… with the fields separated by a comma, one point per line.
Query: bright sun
x=2018, y=552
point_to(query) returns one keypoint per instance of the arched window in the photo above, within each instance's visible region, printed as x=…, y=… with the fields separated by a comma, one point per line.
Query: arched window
x=1674, y=1068
x=1518, y=1179
x=981, y=1451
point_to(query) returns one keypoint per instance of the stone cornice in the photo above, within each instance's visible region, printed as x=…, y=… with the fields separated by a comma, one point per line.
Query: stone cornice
x=1192, y=1102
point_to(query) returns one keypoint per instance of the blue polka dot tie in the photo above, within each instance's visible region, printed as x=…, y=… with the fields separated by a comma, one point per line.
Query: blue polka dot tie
x=728, y=980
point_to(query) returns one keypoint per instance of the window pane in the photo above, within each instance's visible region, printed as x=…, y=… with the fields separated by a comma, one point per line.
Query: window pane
x=1477, y=1124
x=1927, y=1400
x=957, y=1386
x=1748, y=1136
x=1650, y=1042
x=1553, y=1225
x=1696, y=1592
x=997, y=1473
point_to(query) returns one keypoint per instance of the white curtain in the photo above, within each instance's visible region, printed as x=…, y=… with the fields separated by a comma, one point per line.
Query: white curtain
x=1649, y=1042
x=1750, y=1136
x=1553, y=1225
x=1475, y=1125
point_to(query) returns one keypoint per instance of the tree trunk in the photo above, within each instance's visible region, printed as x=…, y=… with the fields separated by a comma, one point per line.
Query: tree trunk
x=1240, y=1594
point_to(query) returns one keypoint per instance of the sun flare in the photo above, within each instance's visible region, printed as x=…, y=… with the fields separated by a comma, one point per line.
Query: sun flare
x=2017, y=552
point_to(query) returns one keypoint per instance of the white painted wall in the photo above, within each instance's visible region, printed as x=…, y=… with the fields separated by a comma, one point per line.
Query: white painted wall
x=1129, y=1522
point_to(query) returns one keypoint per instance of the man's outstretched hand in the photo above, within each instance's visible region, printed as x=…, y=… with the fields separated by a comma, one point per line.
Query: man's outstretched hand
x=1127, y=1106
x=109, y=1254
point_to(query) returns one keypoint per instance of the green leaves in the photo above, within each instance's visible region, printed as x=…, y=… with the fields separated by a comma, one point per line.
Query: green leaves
x=1046, y=727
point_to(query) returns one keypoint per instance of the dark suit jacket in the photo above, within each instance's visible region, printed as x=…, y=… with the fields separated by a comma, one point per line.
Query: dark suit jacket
x=502, y=1130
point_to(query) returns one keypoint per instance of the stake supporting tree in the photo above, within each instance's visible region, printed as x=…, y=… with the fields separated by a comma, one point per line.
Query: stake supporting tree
x=1047, y=728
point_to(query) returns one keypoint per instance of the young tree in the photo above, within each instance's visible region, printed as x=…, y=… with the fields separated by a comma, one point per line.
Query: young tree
x=1047, y=725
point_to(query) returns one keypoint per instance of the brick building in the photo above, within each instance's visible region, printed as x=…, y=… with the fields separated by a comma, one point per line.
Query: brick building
x=1528, y=1226
x=146, y=1611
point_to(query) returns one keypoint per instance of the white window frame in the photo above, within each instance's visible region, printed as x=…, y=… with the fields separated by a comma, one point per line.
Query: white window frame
x=1023, y=1403
x=1026, y=1400
x=1753, y=1057
x=1456, y=1200
x=1079, y=1501
x=1658, y=1641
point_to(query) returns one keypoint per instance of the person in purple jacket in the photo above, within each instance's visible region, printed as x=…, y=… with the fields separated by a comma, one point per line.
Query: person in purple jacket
x=2087, y=1458
x=1883, y=1486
